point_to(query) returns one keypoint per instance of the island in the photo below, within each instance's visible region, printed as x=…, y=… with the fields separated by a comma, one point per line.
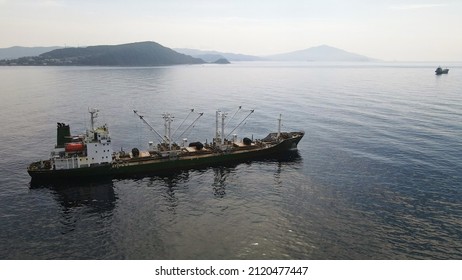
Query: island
x=132, y=54
x=222, y=61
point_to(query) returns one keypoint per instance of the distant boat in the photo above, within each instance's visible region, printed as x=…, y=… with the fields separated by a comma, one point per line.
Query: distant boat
x=440, y=70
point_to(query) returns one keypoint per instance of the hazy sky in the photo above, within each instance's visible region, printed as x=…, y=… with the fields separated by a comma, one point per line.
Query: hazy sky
x=428, y=30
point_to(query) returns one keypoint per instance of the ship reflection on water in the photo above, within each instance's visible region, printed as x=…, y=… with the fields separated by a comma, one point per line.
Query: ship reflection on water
x=98, y=194
x=93, y=198
x=221, y=173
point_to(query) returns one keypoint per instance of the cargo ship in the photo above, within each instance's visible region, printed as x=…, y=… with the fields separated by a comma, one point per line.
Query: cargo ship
x=91, y=155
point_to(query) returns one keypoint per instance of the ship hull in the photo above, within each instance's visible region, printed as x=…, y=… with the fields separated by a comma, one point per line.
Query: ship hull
x=163, y=166
x=440, y=71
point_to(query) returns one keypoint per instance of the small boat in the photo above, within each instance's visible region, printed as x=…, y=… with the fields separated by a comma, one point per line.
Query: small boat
x=440, y=70
x=91, y=154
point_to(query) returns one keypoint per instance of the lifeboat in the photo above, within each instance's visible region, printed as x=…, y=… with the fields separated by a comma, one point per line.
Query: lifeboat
x=74, y=147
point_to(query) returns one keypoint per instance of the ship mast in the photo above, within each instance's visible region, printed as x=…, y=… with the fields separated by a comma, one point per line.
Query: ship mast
x=217, y=115
x=279, y=125
x=94, y=114
x=168, y=118
x=223, y=116
x=220, y=135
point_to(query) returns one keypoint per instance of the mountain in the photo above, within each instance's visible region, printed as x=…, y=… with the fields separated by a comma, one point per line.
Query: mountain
x=133, y=54
x=211, y=56
x=16, y=52
x=320, y=53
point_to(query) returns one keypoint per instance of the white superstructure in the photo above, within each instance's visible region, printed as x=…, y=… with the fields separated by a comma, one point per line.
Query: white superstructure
x=92, y=148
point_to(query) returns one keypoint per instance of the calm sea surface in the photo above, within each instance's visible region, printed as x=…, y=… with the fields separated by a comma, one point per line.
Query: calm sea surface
x=377, y=176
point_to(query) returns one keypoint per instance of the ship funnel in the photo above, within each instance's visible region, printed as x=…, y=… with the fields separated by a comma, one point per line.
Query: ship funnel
x=63, y=135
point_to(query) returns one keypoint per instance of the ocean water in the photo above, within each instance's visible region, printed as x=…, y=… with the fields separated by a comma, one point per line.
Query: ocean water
x=378, y=174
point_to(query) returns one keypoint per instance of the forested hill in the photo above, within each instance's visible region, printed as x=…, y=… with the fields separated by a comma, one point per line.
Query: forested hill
x=133, y=54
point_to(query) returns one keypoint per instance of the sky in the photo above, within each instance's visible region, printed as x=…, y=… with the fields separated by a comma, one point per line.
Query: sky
x=391, y=30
